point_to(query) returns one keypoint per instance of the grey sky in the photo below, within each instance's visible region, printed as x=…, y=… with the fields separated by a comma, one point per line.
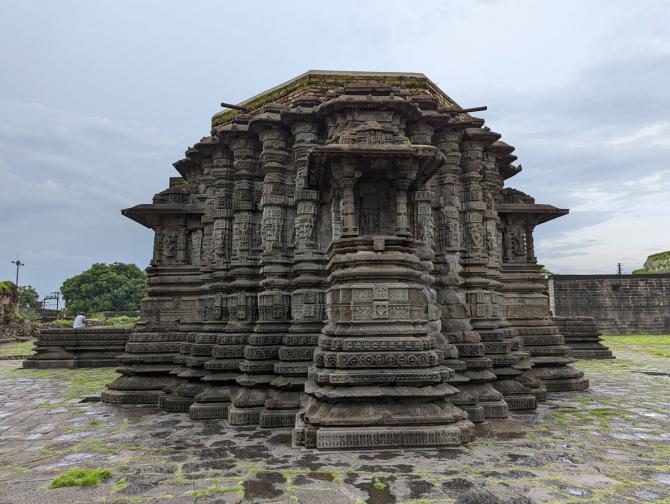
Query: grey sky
x=98, y=98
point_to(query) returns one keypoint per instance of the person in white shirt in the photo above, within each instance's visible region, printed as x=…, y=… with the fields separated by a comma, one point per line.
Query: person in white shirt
x=79, y=321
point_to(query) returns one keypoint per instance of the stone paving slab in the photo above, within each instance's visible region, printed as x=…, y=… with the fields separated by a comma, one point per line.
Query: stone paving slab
x=609, y=445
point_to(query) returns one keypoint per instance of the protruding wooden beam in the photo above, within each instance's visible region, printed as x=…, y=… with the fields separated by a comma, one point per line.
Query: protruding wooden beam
x=231, y=106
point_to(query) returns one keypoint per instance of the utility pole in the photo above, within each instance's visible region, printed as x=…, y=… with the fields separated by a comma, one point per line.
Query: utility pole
x=619, y=267
x=18, y=265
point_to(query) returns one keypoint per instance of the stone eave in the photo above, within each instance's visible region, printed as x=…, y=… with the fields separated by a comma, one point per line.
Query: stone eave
x=509, y=171
x=148, y=214
x=539, y=212
x=184, y=167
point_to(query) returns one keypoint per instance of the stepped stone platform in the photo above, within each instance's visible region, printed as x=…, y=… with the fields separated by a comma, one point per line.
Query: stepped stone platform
x=582, y=336
x=86, y=347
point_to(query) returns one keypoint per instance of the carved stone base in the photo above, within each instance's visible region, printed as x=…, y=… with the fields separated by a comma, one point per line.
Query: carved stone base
x=489, y=399
x=176, y=404
x=534, y=385
x=540, y=393
x=244, y=416
x=498, y=409
x=572, y=385
x=521, y=403
x=280, y=408
x=181, y=396
x=475, y=413
x=562, y=378
x=517, y=396
x=137, y=389
x=209, y=411
x=214, y=401
x=277, y=419
x=591, y=353
x=131, y=396
x=247, y=405
x=332, y=438
x=467, y=402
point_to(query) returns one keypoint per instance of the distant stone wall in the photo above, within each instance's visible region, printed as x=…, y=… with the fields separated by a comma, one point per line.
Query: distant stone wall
x=620, y=304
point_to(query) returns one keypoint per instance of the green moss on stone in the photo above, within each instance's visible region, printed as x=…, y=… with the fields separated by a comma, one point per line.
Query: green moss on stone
x=81, y=477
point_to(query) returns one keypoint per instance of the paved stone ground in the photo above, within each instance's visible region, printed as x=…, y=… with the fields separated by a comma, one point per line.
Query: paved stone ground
x=609, y=445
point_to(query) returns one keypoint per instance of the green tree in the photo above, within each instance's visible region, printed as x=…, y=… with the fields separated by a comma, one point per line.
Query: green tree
x=105, y=287
x=28, y=297
x=546, y=273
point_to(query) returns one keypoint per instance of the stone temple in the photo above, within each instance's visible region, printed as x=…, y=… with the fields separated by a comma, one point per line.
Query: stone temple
x=341, y=257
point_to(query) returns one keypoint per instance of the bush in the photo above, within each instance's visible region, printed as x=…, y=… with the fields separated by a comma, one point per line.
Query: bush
x=30, y=317
x=121, y=321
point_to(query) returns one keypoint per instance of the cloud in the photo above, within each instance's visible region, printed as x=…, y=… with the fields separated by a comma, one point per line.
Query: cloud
x=64, y=184
x=97, y=99
x=636, y=224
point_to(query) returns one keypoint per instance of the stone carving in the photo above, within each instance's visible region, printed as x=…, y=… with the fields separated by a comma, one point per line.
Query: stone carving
x=354, y=270
x=169, y=246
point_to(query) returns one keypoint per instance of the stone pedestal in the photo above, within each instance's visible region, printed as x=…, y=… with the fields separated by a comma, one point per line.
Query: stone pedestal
x=582, y=336
x=78, y=348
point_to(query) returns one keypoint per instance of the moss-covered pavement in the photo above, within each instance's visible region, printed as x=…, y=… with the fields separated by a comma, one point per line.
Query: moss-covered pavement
x=609, y=445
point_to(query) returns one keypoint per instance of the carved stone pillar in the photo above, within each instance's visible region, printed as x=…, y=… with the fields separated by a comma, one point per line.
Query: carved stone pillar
x=481, y=298
x=195, y=350
x=456, y=328
x=214, y=400
x=347, y=210
x=261, y=353
x=242, y=255
x=508, y=364
x=402, y=221
x=308, y=294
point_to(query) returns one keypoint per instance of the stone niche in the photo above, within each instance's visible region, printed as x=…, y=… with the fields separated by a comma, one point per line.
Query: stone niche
x=333, y=259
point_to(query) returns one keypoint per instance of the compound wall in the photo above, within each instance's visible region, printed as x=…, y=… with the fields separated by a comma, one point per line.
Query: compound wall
x=620, y=304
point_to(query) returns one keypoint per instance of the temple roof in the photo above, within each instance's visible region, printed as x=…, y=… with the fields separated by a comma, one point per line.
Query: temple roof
x=318, y=83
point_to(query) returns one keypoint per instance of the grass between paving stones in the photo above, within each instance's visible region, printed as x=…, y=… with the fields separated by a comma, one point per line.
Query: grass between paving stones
x=81, y=477
x=23, y=349
x=657, y=345
x=213, y=490
x=78, y=383
x=378, y=484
